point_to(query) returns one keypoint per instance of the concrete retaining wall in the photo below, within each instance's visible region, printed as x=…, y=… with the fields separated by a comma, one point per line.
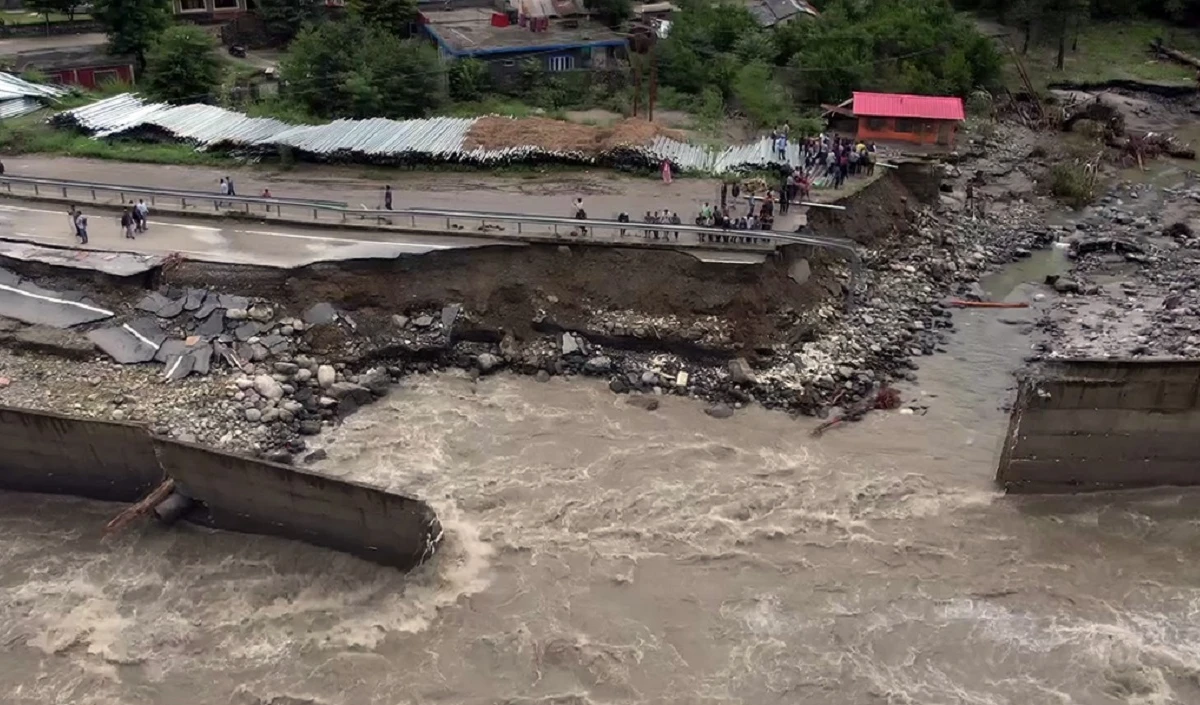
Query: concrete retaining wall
x=1087, y=425
x=105, y=460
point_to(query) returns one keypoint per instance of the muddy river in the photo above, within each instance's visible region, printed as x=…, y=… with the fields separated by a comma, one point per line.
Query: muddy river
x=597, y=553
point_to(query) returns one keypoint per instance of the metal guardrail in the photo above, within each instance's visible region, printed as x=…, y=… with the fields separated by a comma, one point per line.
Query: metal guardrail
x=528, y=227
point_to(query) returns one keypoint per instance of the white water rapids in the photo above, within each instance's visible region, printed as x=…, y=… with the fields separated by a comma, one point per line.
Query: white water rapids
x=600, y=554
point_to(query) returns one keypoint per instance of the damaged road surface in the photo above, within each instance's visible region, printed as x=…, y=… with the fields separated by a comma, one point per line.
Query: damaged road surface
x=29, y=303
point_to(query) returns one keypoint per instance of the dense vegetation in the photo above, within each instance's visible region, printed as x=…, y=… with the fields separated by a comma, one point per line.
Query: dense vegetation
x=357, y=70
x=716, y=61
x=919, y=46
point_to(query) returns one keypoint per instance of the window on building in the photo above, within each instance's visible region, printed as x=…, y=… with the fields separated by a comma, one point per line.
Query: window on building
x=903, y=125
x=561, y=62
x=106, y=76
x=192, y=6
x=876, y=124
x=227, y=4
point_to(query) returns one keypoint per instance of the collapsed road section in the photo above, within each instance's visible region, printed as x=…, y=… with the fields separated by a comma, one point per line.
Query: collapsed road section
x=262, y=359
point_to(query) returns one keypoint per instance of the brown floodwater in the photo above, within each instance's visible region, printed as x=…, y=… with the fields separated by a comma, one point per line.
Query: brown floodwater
x=600, y=554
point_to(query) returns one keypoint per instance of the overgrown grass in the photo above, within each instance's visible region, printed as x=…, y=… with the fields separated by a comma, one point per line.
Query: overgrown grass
x=23, y=17
x=31, y=135
x=1109, y=51
x=1073, y=184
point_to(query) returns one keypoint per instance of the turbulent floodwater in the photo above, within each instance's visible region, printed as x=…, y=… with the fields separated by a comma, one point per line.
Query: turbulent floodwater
x=597, y=553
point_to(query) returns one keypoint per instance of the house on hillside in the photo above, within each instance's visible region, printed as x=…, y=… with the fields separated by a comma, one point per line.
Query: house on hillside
x=770, y=13
x=919, y=119
x=555, y=33
x=86, y=66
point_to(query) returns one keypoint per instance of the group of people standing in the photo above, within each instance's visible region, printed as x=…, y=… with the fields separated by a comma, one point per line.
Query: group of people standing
x=840, y=156
x=134, y=219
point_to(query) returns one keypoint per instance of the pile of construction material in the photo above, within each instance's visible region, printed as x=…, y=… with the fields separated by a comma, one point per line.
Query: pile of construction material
x=629, y=144
x=20, y=97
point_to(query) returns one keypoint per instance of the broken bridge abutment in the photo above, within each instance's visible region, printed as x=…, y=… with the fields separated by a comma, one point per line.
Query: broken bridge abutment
x=117, y=462
x=1094, y=425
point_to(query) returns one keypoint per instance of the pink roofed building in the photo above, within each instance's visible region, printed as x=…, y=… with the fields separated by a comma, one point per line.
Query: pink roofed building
x=898, y=117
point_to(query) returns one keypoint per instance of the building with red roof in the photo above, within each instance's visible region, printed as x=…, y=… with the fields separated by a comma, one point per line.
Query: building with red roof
x=898, y=117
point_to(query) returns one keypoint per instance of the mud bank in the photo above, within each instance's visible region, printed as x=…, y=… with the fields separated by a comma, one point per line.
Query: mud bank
x=881, y=209
x=104, y=460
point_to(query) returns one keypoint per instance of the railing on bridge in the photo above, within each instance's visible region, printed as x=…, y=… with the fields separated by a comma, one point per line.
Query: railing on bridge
x=526, y=227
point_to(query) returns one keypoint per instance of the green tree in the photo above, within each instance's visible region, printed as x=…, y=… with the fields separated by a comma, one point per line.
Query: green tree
x=182, y=66
x=351, y=70
x=395, y=16
x=283, y=19
x=132, y=25
x=468, y=79
x=611, y=12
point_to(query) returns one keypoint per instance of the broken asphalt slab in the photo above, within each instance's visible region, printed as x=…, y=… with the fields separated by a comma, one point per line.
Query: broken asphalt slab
x=33, y=304
x=130, y=343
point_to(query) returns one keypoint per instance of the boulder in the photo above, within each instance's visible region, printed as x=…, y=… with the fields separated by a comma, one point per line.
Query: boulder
x=740, y=372
x=598, y=365
x=326, y=376
x=377, y=380
x=287, y=368
x=487, y=362
x=643, y=401
x=310, y=427
x=719, y=411
x=349, y=396
x=571, y=345
x=268, y=388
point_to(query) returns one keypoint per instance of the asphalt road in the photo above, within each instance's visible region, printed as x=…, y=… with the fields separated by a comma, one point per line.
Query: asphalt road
x=263, y=244
x=270, y=244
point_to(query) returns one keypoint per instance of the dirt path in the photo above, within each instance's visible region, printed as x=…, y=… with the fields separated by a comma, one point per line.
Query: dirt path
x=605, y=194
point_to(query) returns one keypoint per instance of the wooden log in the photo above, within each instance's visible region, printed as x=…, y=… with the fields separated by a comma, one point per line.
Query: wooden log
x=1181, y=57
x=142, y=508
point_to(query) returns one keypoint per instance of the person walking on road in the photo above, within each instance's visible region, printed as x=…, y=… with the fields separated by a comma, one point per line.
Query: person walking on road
x=127, y=223
x=80, y=222
x=387, y=197
x=230, y=182
x=141, y=212
x=224, y=189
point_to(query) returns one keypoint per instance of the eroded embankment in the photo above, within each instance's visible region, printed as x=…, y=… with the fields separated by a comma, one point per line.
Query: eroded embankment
x=507, y=289
x=104, y=460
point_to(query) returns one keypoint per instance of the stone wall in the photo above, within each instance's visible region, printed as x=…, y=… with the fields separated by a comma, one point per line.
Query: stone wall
x=1087, y=425
x=111, y=461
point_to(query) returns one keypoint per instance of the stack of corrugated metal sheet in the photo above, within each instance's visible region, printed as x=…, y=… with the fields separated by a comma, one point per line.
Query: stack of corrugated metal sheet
x=20, y=97
x=382, y=140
